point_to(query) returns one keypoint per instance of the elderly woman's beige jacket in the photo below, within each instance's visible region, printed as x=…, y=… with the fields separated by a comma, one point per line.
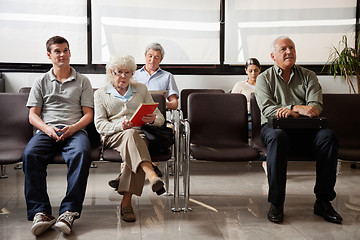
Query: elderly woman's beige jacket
x=110, y=111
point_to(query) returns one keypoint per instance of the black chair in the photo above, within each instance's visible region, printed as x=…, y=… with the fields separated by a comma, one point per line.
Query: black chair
x=25, y=90
x=2, y=83
x=185, y=94
x=163, y=156
x=256, y=125
x=15, y=129
x=216, y=130
x=183, y=114
x=343, y=117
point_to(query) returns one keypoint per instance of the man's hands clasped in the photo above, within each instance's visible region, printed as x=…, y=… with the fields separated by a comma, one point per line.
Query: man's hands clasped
x=60, y=134
x=297, y=111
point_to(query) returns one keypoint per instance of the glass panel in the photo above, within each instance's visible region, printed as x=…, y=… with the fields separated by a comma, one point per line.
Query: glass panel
x=314, y=26
x=188, y=30
x=26, y=25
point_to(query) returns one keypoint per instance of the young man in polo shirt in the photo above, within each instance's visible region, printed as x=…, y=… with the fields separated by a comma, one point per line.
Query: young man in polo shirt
x=61, y=106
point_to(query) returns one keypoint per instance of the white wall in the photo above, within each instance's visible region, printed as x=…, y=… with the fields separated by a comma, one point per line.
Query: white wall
x=15, y=81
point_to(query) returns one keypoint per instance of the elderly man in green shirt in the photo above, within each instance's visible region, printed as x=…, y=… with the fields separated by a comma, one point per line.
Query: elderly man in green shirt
x=290, y=91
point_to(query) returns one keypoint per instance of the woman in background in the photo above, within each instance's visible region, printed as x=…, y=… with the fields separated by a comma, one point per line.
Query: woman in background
x=252, y=69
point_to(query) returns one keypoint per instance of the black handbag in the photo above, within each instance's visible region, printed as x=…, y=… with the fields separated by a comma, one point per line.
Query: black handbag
x=159, y=138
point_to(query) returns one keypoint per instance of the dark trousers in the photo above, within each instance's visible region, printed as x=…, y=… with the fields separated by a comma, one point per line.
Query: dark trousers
x=321, y=144
x=39, y=151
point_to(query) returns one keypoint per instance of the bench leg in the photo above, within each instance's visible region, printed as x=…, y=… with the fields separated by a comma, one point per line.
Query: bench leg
x=3, y=172
x=186, y=169
x=166, y=176
x=176, y=165
x=338, y=168
x=170, y=166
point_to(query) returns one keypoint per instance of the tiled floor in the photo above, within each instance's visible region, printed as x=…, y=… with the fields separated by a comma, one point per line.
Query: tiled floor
x=229, y=201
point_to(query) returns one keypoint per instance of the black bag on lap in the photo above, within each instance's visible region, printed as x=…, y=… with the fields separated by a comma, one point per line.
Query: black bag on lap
x=159, y=138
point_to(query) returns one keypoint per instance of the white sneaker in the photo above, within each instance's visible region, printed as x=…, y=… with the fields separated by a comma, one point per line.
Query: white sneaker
x=65, y=221
x=41, y=223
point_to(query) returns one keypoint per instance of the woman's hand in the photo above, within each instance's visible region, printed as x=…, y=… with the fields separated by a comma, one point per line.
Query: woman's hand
x=149, y=118
x=126, y=124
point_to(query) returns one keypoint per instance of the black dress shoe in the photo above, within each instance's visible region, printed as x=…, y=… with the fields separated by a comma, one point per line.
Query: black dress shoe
x=115, y=182
x=161, y=191
x=276, y=213
x=158, y=186
x=157, y=171
x=325, y=210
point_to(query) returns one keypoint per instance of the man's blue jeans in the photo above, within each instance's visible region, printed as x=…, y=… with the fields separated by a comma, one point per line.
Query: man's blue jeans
x=320, y=143
x=40, y=150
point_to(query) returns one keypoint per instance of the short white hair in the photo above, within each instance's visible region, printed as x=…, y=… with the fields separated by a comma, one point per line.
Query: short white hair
x=118, y=61
x=276, y=39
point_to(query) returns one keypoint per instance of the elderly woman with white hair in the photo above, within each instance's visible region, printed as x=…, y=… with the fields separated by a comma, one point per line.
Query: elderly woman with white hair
x=114, y=106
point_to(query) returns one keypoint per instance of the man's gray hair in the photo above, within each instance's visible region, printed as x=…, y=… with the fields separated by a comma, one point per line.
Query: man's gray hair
x=276, y=39
x=155, y=47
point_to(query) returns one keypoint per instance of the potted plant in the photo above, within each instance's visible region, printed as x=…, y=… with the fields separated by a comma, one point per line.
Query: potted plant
x=345, y=61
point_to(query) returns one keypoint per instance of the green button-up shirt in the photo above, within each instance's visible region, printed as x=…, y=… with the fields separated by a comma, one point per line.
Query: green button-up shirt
x=273, y=92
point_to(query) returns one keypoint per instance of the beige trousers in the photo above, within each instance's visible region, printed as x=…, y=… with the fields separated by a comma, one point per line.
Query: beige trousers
x=133, y=150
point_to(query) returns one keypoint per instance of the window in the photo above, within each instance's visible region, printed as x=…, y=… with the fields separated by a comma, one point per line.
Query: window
x=188, y=30
x=25, y=27
x=314, y=26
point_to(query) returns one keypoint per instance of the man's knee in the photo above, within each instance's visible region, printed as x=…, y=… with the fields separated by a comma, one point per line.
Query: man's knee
x=27, y=152
x=78, y=147
x=277, y=135
x=80, y=142
x=327, y=135
x=31, y=150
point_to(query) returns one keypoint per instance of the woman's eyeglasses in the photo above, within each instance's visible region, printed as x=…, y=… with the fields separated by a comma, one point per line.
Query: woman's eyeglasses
x=121, y=73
